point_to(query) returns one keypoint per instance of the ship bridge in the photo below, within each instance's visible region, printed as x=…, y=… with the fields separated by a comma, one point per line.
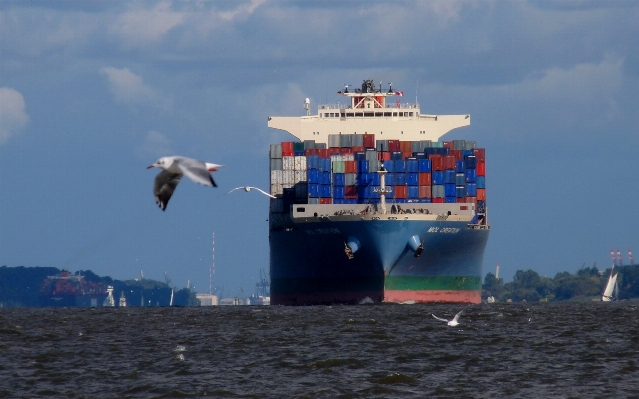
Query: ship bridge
x=369, y=111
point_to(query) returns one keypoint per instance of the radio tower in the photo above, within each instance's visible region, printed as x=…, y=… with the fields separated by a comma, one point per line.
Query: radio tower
x=612, y=255
x=632, y=260
x=497, y=271
x=619, y=257
x=212, y=269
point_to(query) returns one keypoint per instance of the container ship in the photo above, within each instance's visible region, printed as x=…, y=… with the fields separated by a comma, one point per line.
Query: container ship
x=371, y=207
x=69, y=290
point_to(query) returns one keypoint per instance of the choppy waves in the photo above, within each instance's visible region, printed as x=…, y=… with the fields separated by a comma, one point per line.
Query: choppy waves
x=563, y=350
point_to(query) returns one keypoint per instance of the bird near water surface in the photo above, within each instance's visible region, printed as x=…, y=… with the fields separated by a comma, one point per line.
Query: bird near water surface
x=452, y=323
x=173, y=168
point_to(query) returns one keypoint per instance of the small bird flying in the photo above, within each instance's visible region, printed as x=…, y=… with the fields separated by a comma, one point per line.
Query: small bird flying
x=452, y=323
x=173, y=168
x=249, y=188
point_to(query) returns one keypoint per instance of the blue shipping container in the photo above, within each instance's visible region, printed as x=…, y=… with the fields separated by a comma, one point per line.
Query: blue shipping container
x=471, y=189
x=450, y=190
x=424, y=165
x=325, y=178
x=438, y=177
x=313, y=176
x=459, y=166
x=313, y=190
x=481, y=181
x=338, y=180
x=400, y=166
x=400, y=179
x=412, y=179
x=325, y=191
x=471, y=175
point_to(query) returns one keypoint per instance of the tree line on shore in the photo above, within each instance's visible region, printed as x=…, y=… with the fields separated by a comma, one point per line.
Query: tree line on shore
x=21, y=287
x=585, y=285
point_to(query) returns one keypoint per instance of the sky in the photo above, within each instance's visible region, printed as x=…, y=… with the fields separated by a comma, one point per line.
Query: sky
x=91, y=93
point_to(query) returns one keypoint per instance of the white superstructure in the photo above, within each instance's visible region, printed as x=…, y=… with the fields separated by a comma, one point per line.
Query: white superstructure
x=368, y=112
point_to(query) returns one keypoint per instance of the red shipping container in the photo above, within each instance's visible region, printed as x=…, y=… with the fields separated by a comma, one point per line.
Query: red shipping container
x=461, y=200
x=350, y=166
x=287, y=146
x=472, y=200
x=358, y=148
x=406, y=154
x=458, y=154
x=369, y=140
x=424, y=179
x=346, y=150
x=325, y=201
x=437, y=162
x=480, y=153
x=383, y=156
x=350, y=192
x=481, y=194
x=481, y=168
x=287, y=153
x=449, y=144
x=401, y=191
x=405, y=146
x=311, y=151
x=393, y=145
x=323, y=153
x=438, y=200
x=425, y=191
x=449, y=162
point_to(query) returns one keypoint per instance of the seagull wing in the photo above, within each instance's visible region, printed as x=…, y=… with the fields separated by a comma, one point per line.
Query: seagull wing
x=236, y=188
x=456, y=318
x=164, y=186
x=196, y=171
x=439, y=318
x=263, y=192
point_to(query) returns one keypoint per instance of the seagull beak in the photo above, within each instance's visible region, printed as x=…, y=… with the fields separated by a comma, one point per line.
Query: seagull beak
x=150, y=166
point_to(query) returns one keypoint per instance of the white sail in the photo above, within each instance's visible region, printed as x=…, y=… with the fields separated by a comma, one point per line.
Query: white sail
x=607, y=294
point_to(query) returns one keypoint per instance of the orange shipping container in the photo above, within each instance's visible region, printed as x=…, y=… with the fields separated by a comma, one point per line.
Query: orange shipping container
x=481, y=194
x=449, y=162
x=405, y=146
x=425, y=191
x=350, y=166
x=401, y=191
x=437, y=162
x=424, y=179
x=383, y=156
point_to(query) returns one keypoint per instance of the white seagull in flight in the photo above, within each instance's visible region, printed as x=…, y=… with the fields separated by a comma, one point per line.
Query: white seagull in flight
x=454, y=322
x=249, y=188
x=173, y=169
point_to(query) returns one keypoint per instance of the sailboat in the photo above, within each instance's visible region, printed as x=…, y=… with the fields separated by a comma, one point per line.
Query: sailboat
x=611, y=292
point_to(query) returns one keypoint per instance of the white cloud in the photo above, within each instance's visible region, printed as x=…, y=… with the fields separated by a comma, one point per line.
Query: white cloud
x=128, y=88
x=138, y=27
x=13, y=117
x=155, y=144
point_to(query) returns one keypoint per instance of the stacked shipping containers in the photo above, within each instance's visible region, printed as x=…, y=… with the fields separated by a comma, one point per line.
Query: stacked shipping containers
x=346, y=172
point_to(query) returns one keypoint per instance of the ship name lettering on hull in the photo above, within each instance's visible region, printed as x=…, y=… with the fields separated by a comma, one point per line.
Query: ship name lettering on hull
x=323, y=231
x=444, y=230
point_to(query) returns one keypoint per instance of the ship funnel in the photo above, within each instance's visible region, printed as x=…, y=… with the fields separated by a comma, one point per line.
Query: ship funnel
x=416, y=245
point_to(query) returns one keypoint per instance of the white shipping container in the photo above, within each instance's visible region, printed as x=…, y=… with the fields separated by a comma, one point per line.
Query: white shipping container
x=300, y=176
x=276, y=189
x=276, y=176
x=288, y=163
x=288, y=177
x=300, y=163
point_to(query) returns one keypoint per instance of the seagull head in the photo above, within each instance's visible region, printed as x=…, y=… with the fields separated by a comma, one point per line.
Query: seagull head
x=163, y=163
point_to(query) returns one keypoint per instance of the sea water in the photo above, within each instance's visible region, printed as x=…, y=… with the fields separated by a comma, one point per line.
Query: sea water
x=523, y=350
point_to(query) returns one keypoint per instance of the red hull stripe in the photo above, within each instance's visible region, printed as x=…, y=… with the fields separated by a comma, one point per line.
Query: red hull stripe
x=432, y=296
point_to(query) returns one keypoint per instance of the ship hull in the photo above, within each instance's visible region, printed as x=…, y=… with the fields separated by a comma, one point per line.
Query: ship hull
x=309, y=265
